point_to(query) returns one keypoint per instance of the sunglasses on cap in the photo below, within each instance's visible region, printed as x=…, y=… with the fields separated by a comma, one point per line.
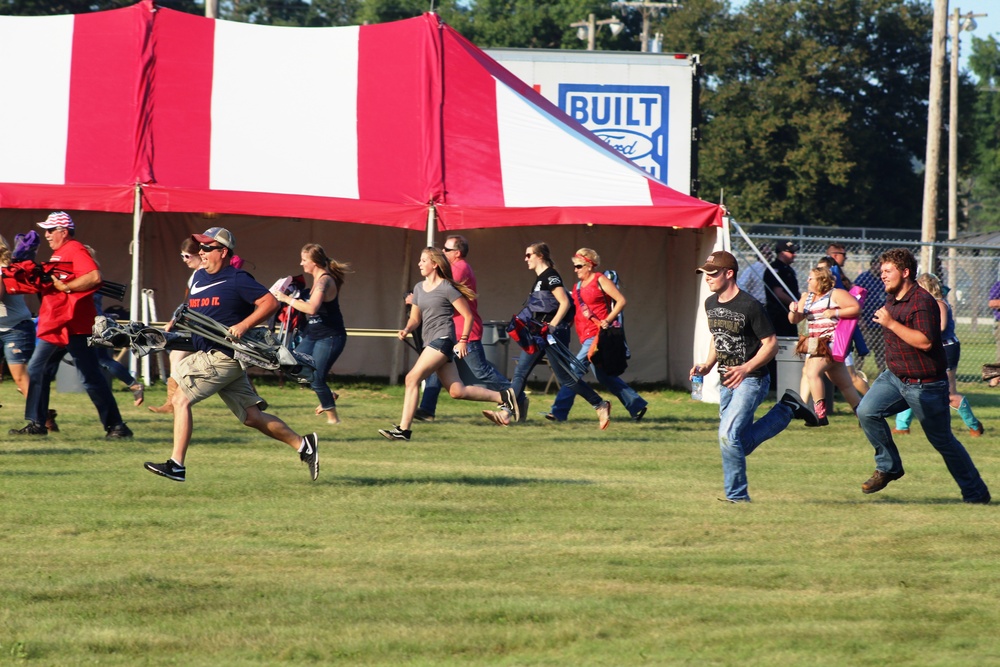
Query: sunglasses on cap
x=210, y=248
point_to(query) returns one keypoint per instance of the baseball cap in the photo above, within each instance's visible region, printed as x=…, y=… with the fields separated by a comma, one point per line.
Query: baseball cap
x=220, y=234
x=57, y=219
x=785, y=246
x=720, y=259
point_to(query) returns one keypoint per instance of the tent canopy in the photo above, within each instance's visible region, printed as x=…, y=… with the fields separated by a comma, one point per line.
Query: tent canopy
x=369, y=124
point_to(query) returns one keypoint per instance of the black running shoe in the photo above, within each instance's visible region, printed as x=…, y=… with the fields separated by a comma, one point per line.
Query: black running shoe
x=395, y=433
x=118, y=432
x=510, y=402
x=31, y=428
x=309, y=454
x=799, y=409
x=170, y=470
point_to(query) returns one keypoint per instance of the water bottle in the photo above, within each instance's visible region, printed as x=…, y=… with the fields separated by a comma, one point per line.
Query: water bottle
x=696, y=384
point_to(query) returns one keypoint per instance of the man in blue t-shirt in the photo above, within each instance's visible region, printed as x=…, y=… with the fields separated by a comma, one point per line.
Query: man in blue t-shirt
x=234, y=299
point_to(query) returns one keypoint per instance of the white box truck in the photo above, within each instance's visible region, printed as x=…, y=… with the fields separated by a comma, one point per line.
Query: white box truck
x=643, y=104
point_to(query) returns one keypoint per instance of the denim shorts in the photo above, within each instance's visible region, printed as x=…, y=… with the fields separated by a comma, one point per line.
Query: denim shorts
x=18, y=342
x=952, y=353
x=445, y=346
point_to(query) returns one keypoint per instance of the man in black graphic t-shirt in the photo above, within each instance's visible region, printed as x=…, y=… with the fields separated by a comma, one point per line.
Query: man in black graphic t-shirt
x=743, y=343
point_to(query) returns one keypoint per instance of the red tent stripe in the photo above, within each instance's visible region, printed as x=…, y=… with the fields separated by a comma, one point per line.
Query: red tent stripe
x=182, y=95
x=471, y=141
x=103, y=96
x=397, y=83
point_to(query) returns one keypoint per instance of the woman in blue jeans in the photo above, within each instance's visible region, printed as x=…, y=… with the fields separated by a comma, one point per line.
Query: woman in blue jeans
x=549, y=305
x=599, y=305
x=324, y=336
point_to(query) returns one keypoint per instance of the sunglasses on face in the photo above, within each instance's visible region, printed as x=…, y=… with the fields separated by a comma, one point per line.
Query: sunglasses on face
x=448, y=249
x=577, y=267
x=186, y=256
x=210, y=248
x=528, y=254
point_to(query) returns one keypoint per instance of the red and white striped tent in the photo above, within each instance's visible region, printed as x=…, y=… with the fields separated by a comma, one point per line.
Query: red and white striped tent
x=156, y=113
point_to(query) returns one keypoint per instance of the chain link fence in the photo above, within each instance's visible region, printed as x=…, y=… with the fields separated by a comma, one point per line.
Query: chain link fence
x=969, y=270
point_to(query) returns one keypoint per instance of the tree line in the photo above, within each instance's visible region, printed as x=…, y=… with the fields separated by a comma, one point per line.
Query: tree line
x=813, y=111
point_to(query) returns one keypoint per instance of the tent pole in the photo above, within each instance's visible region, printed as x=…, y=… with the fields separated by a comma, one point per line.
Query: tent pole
x=136, y=287
x=431, y=220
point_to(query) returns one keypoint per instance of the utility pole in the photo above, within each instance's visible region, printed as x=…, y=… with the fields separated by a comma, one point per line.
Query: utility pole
x=647, y=9
x=211, y=9
x=959, y=23
x=928, y=225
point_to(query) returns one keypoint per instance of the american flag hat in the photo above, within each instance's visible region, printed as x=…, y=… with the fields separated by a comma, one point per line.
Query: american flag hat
x=57, y=219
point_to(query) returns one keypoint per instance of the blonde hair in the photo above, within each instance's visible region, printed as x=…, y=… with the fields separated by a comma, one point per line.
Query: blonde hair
x=443, y=268
x=932, y=284
x=590, y=256
x=318, y=256
x=824, y=278
x=5, y=254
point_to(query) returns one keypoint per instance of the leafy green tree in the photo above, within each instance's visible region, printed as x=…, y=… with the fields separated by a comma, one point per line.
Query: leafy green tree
x=814, y=110
x=56, y=7
x=534, y=24
x=984, y=203
x=300, y=13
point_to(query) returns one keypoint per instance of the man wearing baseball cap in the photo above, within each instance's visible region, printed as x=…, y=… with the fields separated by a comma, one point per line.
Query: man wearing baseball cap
x=778, y=298
x=743, y=342
x=234, y=299
x=65, y=321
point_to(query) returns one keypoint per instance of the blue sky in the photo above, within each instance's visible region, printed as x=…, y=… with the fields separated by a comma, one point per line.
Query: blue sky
x=987, y=25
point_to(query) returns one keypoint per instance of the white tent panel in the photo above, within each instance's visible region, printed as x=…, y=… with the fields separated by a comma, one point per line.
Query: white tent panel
x=33, y=119
x=259, y=75
x=530, y=140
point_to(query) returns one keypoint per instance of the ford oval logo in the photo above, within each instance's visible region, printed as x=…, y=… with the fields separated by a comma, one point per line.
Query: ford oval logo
x=632, y=145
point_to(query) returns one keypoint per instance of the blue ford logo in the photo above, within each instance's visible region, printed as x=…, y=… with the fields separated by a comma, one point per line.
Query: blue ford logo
x=632, y=145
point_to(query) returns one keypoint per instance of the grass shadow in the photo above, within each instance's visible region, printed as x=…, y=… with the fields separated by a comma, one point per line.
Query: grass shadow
x=890, y=501
x=46, y=452
x=466, y=480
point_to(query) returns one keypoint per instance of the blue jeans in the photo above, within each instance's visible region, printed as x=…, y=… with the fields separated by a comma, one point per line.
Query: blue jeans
x=325, y=352
x=18, y=343
x=117, y=370
x=889, y=395
x=474, y=368
x=740, y=435
x=628, y=396
x=526, y=362
x=42, y=370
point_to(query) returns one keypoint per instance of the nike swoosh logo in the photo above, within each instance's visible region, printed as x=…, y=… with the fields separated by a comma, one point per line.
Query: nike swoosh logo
x=198, y=289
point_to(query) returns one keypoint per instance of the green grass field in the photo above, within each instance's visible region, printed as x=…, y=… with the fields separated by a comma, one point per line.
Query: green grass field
x=542, y=544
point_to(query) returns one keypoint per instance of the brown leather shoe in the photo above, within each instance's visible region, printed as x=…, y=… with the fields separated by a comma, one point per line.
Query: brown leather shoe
x=879, y=480
x=901, y=431
x=976, y=432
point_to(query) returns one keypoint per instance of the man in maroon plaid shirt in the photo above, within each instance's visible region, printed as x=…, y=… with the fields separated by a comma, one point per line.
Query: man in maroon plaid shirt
x=915, y=378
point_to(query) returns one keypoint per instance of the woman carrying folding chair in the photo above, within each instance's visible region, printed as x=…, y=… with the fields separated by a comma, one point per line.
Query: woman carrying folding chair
x=543, y=326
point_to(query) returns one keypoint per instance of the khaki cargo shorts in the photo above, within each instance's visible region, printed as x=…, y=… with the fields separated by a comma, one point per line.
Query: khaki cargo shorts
x=203, y=374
